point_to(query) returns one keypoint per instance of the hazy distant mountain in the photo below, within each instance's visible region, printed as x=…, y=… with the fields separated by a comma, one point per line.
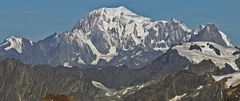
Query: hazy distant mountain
x=110, y=36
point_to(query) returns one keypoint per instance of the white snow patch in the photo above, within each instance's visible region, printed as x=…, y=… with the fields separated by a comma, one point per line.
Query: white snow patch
x=224, y=37
x=119, y=65
x=163, y=21
x=232, y=79
x=200, y=87
x=127, y=90
x=80, y=60
x=152, y=41
x=161, y=49
x=196, y=94
x=109, y=91
x=162, y=41
x=137, y=54
x=186, y=68
x=125, y=58
x=66, y=64
x=142, y=86
x=112, y=53
x=177, y=98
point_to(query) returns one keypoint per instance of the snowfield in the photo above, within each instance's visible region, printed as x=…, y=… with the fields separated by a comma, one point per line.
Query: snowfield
x=197, y=56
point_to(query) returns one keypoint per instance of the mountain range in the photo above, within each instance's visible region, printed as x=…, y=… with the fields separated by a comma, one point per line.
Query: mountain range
x=115, y=54
x=108, y=37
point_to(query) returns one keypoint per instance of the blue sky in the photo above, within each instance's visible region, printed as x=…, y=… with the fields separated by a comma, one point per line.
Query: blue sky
x=36, y=19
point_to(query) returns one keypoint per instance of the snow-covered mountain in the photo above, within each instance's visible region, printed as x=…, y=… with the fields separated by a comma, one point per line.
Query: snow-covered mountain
x=111, y=36
x=13, y=46
x=15, y=43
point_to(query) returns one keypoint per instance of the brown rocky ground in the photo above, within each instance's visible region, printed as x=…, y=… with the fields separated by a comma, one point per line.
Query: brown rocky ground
x=57, y=97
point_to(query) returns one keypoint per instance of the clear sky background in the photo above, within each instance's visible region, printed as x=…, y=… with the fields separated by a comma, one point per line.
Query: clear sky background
x=37, y=19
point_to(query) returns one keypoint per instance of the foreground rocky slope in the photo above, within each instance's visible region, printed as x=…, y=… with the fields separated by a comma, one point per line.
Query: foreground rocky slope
x=22, y=82
x=193, y=84
x=169, y=77
x=51, y=97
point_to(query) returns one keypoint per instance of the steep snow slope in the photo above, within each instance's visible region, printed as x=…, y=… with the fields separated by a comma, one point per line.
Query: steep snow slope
x=232, y=79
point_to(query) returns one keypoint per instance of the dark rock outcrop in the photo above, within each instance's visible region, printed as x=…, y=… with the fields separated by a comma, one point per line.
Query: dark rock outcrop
x=209, y=33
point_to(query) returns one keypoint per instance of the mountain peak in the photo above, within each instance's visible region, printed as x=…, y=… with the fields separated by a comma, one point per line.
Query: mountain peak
x=15, y=42
x=13, y=37
x=211, y=33
x=173, y=20
x=117, y=11
x=104, y=18
x=122, y=8
x=12, y=42
x=180, y=24
x=210, y=26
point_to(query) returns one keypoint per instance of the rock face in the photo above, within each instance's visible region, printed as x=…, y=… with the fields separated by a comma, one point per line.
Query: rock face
x=108, y=37
x=193, y=84
x=211, y=33
x=19, y=82
x=24, y=83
